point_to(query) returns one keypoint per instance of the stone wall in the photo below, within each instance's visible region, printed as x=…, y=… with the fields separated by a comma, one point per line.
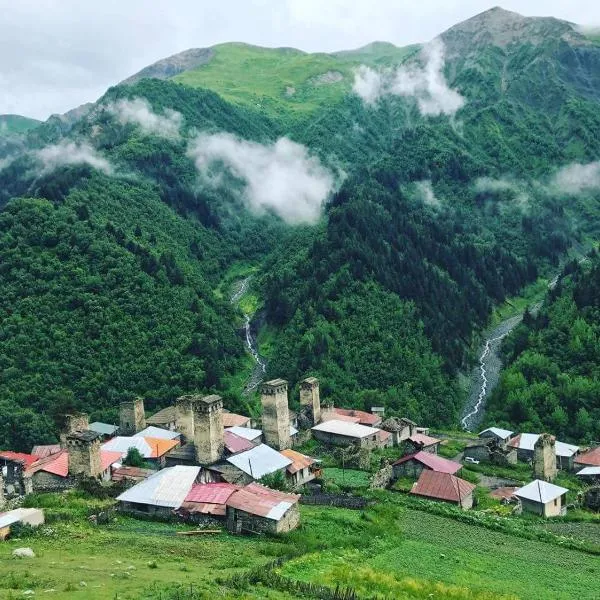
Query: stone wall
x=239, y=521
x=382, y=478
x=49, y=482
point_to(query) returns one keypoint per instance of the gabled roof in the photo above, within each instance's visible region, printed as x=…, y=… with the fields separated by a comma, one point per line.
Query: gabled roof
x=234, y=420
x=497, y=431
x=347, y=429
x=424, y=440
x=212, y=493
x=57, y=464
x=133, y=473
x=259, y=461
x=442, y=486
x=541, y=491
x=261, y=501
x=432, y=461
x=246, y=432
x=163, y=417
x=103, y=428
x=44, y=451
x=364, y=418
x=235, y=443
x=587, y=471
x=167, y=488
x=526, y=441
x=591, y=458
x=108, y=458
x=20, y=457
x=158, y=433
x=148, y=447
x=299, y=461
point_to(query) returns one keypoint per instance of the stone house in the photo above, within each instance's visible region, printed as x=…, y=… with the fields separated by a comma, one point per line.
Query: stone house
x=302, y=470
x=589, y=475
x=165, y=418
x=346, y=433
x=543, y=498
x=400, y=429
x=524, y=443
x=258, y=509
x=488, y=449
x=501, y=436
x=420, y=441
x=413, y=464
x=445, y=487
x=254, y=464
x=591, y=458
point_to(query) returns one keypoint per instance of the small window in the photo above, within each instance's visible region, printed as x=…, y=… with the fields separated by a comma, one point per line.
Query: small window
x=555, y=502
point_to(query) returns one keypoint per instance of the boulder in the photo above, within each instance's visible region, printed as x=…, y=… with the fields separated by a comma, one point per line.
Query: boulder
x=23, y=553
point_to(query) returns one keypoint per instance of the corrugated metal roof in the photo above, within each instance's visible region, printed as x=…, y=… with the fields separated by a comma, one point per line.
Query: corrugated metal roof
x=364, y=418
x=501, y=433
x=246, y=432
x=57, y=464
x=148, y=447
x=424, y=440
x=233, y=420
x=44, y=451
x=20, y=457
x=540, y=491
x=158, y=433
x=346, y=429
x=259, y=461
x=133, y=473
x=108, y=458
x=212, y=493
x=299, y=461
x=33, y=516
x=442, y=486
x=432, y=461
x=334, y=416
x=160, y=446
x=264, y=502
x=163, y=417
x=103, y=428
x=526, y=441
x=589, y=471
x=167, y=488
x=235, y=443
x=591, y=458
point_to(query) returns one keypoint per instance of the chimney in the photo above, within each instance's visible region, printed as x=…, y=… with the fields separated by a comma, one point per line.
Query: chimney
x=73, y=423
x=184, y=417
x=208, y=428
x=544, y=457
x=276, y=417
x=84, y=453
x=132, y=417
x=310, y=399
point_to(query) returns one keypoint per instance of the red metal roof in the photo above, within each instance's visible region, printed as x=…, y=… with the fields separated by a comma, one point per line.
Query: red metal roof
x=432, y=461
x=236, y=443
x=108, y=457
x=365, y=418
x=259, y=500
x=21, y=457
x=233, y=420
x=299, y=461
x=334, y=416
x=43, y=451
x=57, y=464
x=383, y=435
x=424, y=440
x=212, y=493
x=591, y=458
x=442, y=486
x=503, y=493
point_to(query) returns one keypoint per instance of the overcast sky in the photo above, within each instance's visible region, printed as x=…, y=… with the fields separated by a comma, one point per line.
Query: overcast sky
x=58, y=54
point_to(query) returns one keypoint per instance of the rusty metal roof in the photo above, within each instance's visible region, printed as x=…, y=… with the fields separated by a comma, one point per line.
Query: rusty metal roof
x=432, y=461
x=133, y=473
x=211, y=493
x=261, y=501
x=424, y=440
x=233, y=420
x=235, y=443
x=20, y=457
x=591, y=458
x=364, y=418
x=299, y=461
x=442, y=486
x=44, y=451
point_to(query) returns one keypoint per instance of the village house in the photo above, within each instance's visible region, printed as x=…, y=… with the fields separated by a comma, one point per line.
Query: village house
x=302, y=470
x=566, y=454
x=345, y=433
x=543, y=498
x=253, y=464
x=130, y=474
x=233, y=420
x=589, y=475
x=258, y=509
x=399, y=428
x=47, y=450
x=252, y=435
x=420, y=441
x=206, y=500
x=165, y=418
x=158, y=433
x=34, y=517
x=502, y=436
x=591, y=458
x=106, y=430
x=445, y=487
x=363, y=417
x=234, y=444
x=153, y=450
x=492, y=450
x=413, y=464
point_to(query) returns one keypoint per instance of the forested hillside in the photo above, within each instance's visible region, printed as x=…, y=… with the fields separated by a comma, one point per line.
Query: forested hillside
x=386, y=199
x=552, y=380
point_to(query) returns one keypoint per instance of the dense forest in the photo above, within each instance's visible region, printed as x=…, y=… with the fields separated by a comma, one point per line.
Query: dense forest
x=552, y=380
x=116, y=256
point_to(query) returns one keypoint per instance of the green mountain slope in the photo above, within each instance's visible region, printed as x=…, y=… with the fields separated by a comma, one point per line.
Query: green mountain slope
x=10, y=124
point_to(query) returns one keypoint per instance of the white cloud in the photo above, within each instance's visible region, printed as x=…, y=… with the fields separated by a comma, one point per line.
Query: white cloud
x=139, y=112
x=426, y=193
x=72, y=153
x=425, y=84
x=576, y=178
x=488, y=184
x=282, y=176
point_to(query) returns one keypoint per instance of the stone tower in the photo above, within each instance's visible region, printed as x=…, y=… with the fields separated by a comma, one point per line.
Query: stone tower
x=84, y=453
x=208, y=428
x=184, y=417
x=73, y=423
x=310, y=399
x=276, y=416
x=132, y=417
x=544, y=458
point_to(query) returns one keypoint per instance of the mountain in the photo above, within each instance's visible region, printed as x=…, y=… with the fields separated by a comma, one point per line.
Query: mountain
x=11, y=124
x=454, y=174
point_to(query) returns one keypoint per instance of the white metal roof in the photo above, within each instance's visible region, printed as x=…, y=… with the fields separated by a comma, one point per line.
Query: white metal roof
x=589, y=471
x=540, y=491
x=123, y=443
x=278, y=511
x=293, y=430
x=246, y=432
x=346, y=428
x=30, y=515
x=157, y=432
x=527, y=442
x=167, y=488
x=259, y=461
x=501, y=433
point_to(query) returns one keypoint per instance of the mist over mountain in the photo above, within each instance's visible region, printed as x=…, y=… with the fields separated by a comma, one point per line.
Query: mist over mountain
x=384, y=198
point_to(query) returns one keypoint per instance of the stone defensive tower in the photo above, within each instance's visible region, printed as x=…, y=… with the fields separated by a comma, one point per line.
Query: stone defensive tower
x=276, y=416
x=544, y=458
x=84, y=453
x=184, y=417
x=73, y=423
x=132, y=417
x=310, y=399
x=208, y=428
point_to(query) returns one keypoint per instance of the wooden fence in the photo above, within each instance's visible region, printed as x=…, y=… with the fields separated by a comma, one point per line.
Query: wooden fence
x=337, y=500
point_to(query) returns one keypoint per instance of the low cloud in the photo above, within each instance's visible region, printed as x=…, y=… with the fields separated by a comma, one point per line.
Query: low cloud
x=489, y=185
x=426, y=194
x=425, y=84
x=282, y=177
x=139, y=112
x=72, y=153
x=577, y=178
